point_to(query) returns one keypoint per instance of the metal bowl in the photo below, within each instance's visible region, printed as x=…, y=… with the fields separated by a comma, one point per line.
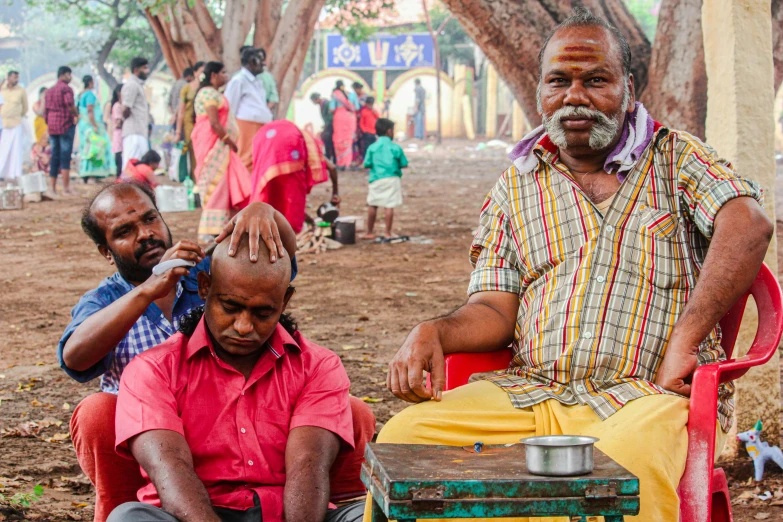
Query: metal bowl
x=559, y=455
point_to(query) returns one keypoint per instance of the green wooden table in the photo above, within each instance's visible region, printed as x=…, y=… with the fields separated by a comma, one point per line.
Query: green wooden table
x=412, y=481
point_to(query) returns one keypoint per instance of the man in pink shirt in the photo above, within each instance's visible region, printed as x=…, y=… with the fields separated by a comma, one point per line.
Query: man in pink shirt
x=238, y=417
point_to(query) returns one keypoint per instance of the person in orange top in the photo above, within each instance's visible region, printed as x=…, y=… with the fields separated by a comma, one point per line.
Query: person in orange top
x=142, y=170
x=367, y=118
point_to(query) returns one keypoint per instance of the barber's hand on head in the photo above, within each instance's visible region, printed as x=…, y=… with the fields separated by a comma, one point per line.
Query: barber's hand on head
x=257, y=220
x=421, y=351
x=158, y=287
x=679, y=363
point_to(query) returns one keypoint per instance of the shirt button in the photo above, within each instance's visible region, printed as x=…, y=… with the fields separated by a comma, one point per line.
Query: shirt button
x=242, y=393
x=580, y=388
x=609, y=228
x=588, y=335
x=242, y=430
x=249, y=462
x=600, y=279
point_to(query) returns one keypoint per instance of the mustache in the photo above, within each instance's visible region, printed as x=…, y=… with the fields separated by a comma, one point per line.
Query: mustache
x=147, y=245
x=580, y=112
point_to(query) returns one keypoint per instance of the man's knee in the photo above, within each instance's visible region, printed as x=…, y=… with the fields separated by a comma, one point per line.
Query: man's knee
x=92, y=423
x=403, y=426
x=363, y=421
x=139, y=512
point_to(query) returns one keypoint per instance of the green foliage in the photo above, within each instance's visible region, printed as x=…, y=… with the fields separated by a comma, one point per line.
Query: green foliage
x=455, y=44
x=646, y=13
x=352, y=17
x=23, y=499
x=93, y=24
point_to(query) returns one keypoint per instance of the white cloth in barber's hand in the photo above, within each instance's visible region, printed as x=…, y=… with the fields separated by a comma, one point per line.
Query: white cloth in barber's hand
x=165, y=266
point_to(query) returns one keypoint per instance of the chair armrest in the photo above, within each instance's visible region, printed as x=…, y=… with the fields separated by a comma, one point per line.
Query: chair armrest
x=695, y=496
x=460, y=366
x=767, y=295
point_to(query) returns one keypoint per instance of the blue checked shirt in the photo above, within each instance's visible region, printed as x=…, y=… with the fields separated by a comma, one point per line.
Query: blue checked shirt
x=150, y=330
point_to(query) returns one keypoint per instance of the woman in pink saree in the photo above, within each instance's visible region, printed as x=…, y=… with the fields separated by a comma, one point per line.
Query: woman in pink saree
x=222, y=179
x=287, y=163
x=344, y=124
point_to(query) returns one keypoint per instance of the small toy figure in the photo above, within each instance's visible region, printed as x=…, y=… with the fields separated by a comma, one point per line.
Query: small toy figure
x=760, y=451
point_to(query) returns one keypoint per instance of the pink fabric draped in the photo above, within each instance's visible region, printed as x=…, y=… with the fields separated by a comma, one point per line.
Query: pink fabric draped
x=223, y=180
x=344, y=124
x=287, y=163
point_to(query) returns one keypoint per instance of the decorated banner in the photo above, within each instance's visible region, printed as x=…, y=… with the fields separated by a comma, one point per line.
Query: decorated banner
x=383, y=51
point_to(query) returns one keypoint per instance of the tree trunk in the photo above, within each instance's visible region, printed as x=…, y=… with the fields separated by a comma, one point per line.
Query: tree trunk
x=100, y=62
x=292, y=39
x=676, y=92
x=511, y=33
x=186, y=34
x=300, y=34
x=239, y=17
x=268, y=15
x=436, y=48
x=777, y=41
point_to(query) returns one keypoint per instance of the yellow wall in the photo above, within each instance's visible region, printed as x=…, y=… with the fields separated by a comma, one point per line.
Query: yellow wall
x=403, y=100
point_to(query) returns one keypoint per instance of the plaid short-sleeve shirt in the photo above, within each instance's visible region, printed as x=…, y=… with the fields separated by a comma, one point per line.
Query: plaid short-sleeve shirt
x=600, y=294
x=57, y=108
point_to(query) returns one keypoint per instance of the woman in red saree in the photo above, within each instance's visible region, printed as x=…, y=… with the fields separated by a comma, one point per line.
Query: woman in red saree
x=223, y=181
x=287, y=163
x=344, y=124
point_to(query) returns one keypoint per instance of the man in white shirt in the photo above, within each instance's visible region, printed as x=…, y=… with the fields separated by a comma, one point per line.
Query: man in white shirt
x=13, y=109
x=247, y=100
x=136, y=113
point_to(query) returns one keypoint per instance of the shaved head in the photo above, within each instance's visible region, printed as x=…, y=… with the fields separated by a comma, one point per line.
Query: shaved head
x=240, y=268
x=244, y=300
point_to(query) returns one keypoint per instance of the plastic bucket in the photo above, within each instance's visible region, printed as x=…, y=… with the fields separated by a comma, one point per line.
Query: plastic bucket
x=345, y=232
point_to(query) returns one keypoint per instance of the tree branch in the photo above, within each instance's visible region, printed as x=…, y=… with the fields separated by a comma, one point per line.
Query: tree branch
x=297, y=23
x=268, y=17
x=443, y=24
x=100, y=60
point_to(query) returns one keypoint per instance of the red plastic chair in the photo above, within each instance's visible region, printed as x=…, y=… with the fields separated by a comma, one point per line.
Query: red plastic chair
x=703, y=491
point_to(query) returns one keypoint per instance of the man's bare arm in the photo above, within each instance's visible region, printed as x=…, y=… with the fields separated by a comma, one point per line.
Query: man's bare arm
x=101, y=332
x=739, y=242
x=166, y=458
x=484, y=324
x=309, y=455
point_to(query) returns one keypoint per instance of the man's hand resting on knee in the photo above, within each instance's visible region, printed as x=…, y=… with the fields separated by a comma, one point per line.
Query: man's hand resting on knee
x=485, y=323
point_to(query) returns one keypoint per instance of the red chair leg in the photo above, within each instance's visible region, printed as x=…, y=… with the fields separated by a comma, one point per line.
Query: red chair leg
x=721, y=502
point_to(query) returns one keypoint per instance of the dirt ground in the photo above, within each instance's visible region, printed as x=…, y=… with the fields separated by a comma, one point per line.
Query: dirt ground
x=360, y=301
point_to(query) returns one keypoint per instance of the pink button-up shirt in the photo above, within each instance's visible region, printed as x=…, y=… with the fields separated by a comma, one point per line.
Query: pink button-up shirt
x=237, y=430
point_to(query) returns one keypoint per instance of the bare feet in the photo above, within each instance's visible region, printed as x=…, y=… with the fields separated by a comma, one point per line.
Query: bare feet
x=368, y=236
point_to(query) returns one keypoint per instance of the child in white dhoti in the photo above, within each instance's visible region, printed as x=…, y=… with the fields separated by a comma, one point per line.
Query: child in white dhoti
x=385, y=159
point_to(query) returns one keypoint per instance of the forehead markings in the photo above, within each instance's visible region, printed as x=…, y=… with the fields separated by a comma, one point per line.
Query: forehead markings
x=578, y=58
x=579, y=48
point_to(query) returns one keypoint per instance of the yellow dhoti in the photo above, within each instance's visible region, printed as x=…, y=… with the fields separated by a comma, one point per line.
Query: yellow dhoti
x=648, y=436
x=247, y=131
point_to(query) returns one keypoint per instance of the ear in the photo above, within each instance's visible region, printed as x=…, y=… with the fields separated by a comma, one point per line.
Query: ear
x=204, y=282
x=105, y=252
x=759, y=426
x=289, y=293
x=632, y=90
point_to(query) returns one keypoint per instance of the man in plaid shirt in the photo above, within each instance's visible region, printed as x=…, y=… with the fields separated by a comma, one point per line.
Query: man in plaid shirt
x=60, y=115
x=605, y=257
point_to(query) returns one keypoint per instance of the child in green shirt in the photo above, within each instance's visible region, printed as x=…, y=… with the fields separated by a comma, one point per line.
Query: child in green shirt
x=385, y=159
